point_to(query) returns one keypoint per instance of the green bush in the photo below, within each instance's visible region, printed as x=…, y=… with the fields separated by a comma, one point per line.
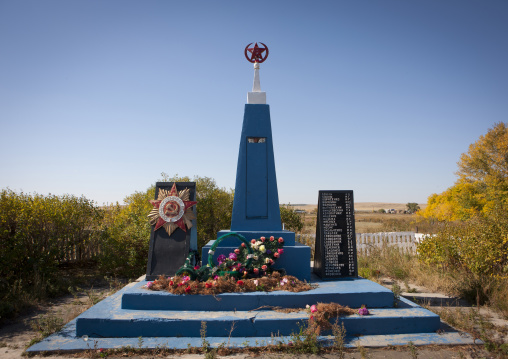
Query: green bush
x=126, y=235
x=478, y=245
x=37, y=233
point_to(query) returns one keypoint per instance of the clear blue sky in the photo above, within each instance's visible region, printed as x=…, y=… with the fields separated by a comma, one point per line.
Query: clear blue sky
x=381, y=97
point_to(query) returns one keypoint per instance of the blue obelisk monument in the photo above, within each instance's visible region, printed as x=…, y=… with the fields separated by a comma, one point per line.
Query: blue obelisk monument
x=256, y=210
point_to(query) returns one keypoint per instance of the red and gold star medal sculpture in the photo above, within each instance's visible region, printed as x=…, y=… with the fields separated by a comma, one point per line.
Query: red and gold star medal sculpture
x=171, y=210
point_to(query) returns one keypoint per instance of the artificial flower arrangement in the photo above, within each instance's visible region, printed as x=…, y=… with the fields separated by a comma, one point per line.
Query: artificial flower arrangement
x=251, y=259
x=248, y=268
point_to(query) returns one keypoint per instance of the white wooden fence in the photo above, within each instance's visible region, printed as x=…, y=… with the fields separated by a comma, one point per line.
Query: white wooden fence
x=366, y=242
x=405, y=241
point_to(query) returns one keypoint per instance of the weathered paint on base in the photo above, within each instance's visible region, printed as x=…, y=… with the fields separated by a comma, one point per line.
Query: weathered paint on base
x=66, y=340
x=391, y=326
x=350, y=292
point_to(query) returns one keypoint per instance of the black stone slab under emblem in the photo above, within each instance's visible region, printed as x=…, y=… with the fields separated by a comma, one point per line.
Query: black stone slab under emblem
x=335, y=248
x=168, y=253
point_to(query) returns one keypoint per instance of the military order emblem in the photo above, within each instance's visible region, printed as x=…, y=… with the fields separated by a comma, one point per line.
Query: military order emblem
x=172, y=209
x=256, y=53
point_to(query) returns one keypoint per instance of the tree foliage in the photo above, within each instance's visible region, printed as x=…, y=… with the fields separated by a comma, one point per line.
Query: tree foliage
x=292, y=220
x=482, y=186
x=412, y=207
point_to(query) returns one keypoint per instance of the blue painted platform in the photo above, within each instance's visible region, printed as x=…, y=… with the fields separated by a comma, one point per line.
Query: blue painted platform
x=110, y=325
x=352, y=292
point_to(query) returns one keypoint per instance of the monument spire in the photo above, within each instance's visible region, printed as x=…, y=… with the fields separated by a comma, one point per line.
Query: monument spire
x=257, y=56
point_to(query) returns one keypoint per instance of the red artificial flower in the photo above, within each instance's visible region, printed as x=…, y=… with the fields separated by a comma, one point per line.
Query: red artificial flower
x=188, y=289
x=280, y=250
x=281, y=240
x=171, y=282
x=101, y=350
x=272, y=238
x=240, y=282
x=243, y=245
x=208, y=285
x=255, y=270
x=196, y=267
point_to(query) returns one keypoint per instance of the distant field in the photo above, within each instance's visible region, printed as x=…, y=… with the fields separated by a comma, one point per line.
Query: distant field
x=363, y=206
x=367, y=217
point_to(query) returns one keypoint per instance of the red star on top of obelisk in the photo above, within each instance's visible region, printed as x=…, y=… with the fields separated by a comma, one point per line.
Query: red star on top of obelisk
x=257, y=53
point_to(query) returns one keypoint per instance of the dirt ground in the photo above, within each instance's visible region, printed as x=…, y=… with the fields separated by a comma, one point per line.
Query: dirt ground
x=16, y=335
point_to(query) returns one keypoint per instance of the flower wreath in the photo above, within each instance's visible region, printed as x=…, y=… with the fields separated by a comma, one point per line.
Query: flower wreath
x=250, y=259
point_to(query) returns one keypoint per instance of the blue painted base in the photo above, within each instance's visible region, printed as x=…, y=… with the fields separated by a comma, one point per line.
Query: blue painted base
x=123, y=327
x=289, y=237
x=295, y=260
x=352, y=293
x=66, y=341
x=111, y=321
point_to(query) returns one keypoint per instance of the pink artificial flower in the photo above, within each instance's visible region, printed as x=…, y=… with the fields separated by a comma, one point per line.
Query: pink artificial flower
x=255, y=270
x=263, y=239
x=363, y=310
x=253, y=241
x=281, y=240
x=185, y=278
x=237, y=251
x=264, y=267
x=216, y=277
x=243, y=245
x=280, y=250
x=313, y=309
x=276, y=255
x=149, y=285
x=272, y=238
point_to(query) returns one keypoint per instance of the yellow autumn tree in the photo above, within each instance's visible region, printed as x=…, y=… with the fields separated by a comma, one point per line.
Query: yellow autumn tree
x=482, y=186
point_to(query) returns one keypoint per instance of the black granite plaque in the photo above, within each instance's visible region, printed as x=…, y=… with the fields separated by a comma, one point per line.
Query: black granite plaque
x=335, y=248
x=168, y=253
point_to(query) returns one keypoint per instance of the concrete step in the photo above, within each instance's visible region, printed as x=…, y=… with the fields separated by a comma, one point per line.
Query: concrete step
x=107, y=319
x=352, y=292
